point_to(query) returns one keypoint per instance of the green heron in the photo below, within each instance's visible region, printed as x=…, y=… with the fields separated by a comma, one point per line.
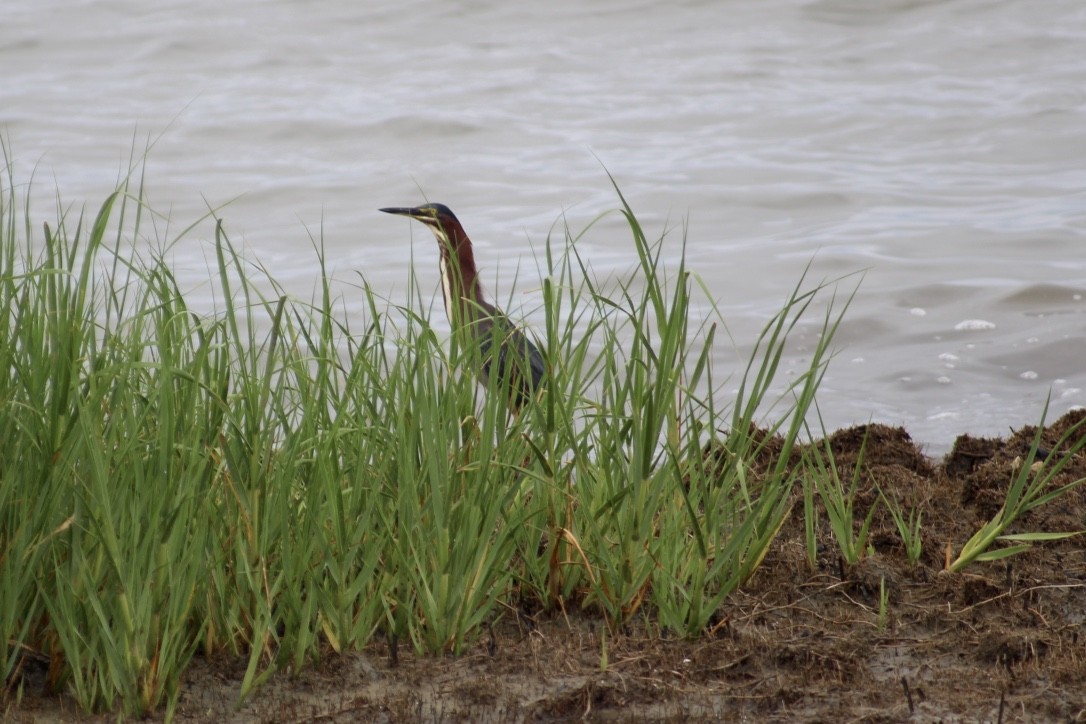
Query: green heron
x=519, y=364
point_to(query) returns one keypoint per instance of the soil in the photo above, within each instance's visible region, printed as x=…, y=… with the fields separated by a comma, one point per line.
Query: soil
x=1001, y=641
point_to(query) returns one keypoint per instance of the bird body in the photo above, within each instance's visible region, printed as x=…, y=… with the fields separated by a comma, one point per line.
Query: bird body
x=519, y=363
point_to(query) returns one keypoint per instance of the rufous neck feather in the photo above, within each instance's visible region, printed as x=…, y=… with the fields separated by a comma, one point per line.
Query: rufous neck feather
x=459, y=278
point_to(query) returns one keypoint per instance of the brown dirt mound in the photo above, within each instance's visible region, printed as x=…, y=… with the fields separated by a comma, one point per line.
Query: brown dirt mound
x=1002, y=641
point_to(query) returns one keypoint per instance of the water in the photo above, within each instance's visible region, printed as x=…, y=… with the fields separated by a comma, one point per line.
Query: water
x=940, y=146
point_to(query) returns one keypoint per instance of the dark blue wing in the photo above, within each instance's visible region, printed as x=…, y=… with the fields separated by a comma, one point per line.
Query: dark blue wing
x=520, y=364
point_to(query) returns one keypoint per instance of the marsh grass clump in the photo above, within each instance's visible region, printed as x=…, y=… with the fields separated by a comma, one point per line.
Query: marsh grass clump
x=275, y=479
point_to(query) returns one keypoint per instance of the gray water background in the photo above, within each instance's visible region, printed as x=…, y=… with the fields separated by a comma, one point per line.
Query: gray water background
x=938, y=145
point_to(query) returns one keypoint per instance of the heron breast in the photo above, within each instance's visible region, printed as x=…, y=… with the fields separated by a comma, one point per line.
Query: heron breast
x=446, y=288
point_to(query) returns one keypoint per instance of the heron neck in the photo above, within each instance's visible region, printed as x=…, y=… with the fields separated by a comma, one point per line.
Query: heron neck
x=463, y=295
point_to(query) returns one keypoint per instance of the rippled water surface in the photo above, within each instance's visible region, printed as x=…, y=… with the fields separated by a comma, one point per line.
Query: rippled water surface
x=940, y=146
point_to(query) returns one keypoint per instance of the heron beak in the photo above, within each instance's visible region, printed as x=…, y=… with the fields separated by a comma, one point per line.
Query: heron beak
x=417, y=212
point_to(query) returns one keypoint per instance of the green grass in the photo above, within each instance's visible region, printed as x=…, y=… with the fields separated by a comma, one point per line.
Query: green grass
x=908, y=528
x=1032, y=485
x=277, y=478
x=824, y=478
